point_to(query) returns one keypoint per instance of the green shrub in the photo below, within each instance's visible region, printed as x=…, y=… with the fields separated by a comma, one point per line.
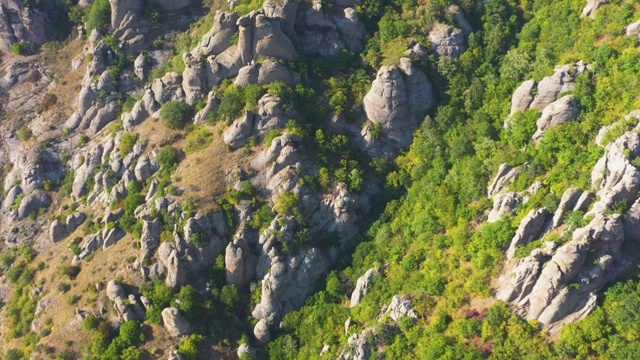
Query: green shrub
x=168, y=157
x=23, y=48
x=99, y=16
x=127, y=142
x=175, y=114
x=24, y=133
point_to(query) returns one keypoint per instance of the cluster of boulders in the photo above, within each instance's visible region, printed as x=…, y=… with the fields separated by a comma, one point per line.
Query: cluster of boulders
x=546, y=97
x=560, y=283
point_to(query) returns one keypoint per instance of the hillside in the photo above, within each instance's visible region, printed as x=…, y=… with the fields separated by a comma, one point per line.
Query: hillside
x=345, y=179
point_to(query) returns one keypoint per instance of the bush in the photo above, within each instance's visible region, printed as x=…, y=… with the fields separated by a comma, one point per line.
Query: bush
x=127, y=143
x=24, y=133
x=168, y=157
x=23, y=48
x=99, y=16
x=175, y=114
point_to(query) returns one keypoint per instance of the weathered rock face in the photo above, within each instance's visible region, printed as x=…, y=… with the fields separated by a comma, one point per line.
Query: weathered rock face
x=522, y=97
x=560, y=284
x=20, y=23
x=358, y=347
x=556, y=114
x=562, y=80
x=401, y=306
x=447, y=40
x=614, y=177
x=174, y=322
x=397, y=102
x=633, y=29
x=238, y=133
x=326, y=30
x=531, y=227
x=362, y=287
x=591, y=7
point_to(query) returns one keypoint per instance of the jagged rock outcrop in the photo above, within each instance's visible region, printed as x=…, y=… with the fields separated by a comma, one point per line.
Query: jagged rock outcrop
x=397, y=102
x=238, y=133
x=447, y=40
x=633, y=29
x=560, y=284
x=219, y=38
x=401, y=306
x=359, y=346
x=556, y=114
x=286, y=278
x=591, y=7
x=326, y=30
x=562, y=80
x=613, y=176
x=362, y=287
x=523, y=96
x=531, y=228
x=174, y=322
x=505, y=176
x=503, y=204
x=56, y=231
x=20, y=23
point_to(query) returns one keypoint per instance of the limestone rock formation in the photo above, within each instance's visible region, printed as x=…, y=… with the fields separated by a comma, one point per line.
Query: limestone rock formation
x=531, y=228
x=522, y=97
x=20, y=23
x=362, y=287
x=591, y=7
x=401, y=306
x=447, y=40
x=556, y=114
x=633, y=29
x=398, y=101
x=174, y=322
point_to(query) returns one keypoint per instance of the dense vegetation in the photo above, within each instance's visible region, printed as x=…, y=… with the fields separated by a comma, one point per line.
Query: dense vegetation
x=431, y=241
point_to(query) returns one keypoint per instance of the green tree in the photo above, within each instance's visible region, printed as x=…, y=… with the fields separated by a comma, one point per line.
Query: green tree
x=175, y=114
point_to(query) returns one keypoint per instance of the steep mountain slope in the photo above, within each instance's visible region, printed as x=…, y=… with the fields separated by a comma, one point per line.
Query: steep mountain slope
x=191, y=180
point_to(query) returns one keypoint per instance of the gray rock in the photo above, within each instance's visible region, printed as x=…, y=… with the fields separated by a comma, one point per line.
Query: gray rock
x=531, y=228
x=567, y=203
x=460, y=19
x=505, y=176
x=633, y=29
x=447, y=40
x=418, y=52
x=503, y=204
x=522, y=97
x=238, y=133
x=56, y=231
x=104, y=116
x=269, y=40
x=176, y=274
x=112, y=236
x=208, y=111
x=261, y=332
x=174, y=322
x=32, y=203
x=141, y=67
x=397, y=101
x=74, y=220
x=114, y=290
x=193, y=78
x=234, y=261
x=362, y=287
x=244, y=350
x=401, y=306
x=562, y=81
x=20, y=23
x=591, y=7
x=359, y=346
x=219, y=38
x=556, y=114
x=150, y=238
